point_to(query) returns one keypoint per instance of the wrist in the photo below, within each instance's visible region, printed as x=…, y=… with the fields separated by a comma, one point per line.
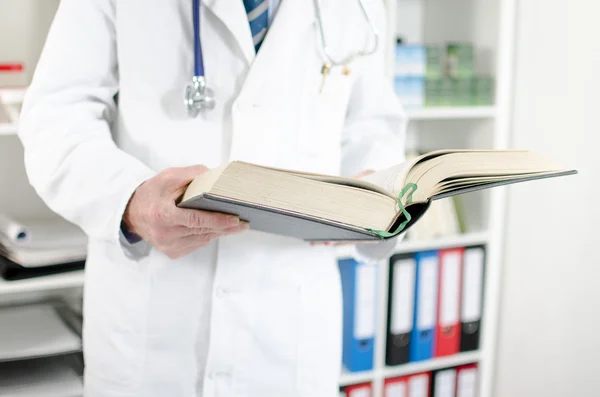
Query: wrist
x=131, y=237
x=128, y=225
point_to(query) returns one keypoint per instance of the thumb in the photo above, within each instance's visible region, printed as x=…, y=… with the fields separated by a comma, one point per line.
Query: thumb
x=178, y=178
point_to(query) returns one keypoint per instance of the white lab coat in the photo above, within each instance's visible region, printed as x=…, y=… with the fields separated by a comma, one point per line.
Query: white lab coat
x=253, y=315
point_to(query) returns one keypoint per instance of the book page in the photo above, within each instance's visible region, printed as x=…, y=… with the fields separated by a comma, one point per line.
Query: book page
x=360, y=183
x=428, y=174
x=286, y=191
x=389, y=179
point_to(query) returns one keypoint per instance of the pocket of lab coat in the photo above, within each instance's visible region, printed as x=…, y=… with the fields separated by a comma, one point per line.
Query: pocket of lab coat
x=324, y=116
x=267, y=341
x=115, y=339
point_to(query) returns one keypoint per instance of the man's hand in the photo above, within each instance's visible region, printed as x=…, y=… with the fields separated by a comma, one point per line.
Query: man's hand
x=153, y=215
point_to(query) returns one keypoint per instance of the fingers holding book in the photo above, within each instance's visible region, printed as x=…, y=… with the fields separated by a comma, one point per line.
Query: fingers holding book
x=152, y=214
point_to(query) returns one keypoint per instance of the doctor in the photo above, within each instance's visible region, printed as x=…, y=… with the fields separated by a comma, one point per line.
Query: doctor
x=181, y=303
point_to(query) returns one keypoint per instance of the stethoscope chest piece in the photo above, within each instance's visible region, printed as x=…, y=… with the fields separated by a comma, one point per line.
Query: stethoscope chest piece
x=198, y=96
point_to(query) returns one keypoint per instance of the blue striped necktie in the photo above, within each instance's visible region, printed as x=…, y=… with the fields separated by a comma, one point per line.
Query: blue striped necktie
x=258, y=17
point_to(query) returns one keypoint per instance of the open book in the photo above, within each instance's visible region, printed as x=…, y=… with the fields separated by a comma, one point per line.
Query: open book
x=379, y=206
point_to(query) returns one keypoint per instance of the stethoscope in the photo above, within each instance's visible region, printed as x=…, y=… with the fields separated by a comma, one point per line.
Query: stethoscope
x=199, y=97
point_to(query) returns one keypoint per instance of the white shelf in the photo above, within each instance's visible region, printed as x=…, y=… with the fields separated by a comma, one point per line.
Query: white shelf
x=46, y=283
x=354, y=378
x=460, y=240
x=451, y=113
x=431, y=365
x=12, y=96
x=8, y=129
x=405, y=246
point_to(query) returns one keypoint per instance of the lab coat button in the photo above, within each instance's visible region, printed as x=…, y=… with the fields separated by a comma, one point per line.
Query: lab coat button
x=238, y=106
x=222, y=292
x=213, y=375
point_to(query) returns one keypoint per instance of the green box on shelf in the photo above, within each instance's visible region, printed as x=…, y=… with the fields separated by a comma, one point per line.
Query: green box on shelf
x=433, y=91
x=433, y=68
x=448, y=90
x=483, y=91
x=463, y=91
x=460, y=60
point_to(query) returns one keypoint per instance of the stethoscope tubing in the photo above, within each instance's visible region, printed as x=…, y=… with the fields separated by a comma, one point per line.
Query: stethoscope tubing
x=198, y=56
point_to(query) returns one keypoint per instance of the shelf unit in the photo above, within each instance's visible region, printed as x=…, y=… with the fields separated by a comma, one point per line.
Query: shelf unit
x=490, y=26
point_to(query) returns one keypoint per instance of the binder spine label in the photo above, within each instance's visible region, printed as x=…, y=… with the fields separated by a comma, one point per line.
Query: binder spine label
x=419, y=385
x=449, y=312
x=472, y=285
x=365, y=304
x=445, y=383
x=403, y=295
x=426, y=315
x=397, y=389
x=467, y=383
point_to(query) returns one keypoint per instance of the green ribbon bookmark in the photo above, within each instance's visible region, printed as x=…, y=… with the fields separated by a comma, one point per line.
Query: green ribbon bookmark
x=412, y=187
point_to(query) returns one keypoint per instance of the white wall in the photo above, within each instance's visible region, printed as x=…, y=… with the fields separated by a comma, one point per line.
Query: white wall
x=549, y=337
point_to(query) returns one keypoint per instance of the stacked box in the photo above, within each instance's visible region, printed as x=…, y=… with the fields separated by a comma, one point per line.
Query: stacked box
x=437, y=75
x=447, y=92
x=460, y=60
x=409, y=82
x=483, y=91
x=433, y=62
x=410, y=60
x=433, y=91
x=410, y=91
x=463, y=91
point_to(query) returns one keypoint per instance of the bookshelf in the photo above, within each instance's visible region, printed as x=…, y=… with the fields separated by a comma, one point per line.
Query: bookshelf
x=489, y=25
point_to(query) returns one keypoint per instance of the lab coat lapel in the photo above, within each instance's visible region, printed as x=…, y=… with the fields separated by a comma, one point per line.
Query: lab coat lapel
x=291, y=16
x=233, y=15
